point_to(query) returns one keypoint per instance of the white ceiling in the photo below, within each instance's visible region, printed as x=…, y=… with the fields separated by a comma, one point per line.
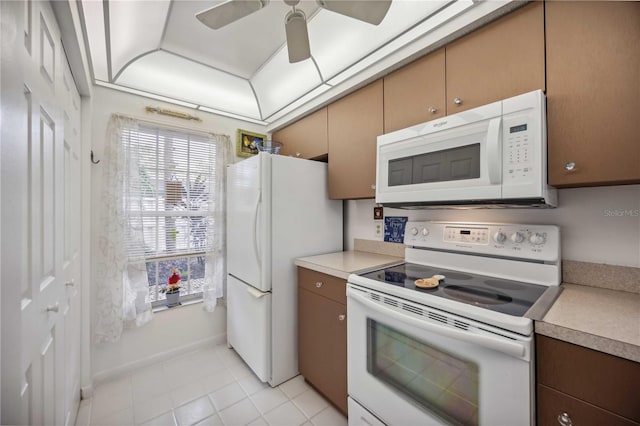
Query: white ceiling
x=159, y=48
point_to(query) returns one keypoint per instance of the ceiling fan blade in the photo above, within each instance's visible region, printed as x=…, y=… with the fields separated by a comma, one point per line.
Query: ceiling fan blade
x=295, y=25
x=230, y=11
x=371, y=11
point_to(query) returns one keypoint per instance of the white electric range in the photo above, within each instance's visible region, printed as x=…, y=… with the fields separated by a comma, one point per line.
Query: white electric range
x=462, y=352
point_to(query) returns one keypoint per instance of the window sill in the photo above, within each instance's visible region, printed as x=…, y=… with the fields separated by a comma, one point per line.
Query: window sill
x=163, y=308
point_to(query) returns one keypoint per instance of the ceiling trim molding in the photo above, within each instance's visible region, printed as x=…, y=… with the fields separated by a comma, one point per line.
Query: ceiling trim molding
x=166, y=24
x=107, y=37
x=180, y=55
x=131, y=61
x=255, y=96
x=317, y=69
x=85, y=37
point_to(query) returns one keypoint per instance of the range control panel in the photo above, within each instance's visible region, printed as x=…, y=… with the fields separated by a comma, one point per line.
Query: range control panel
x=537, y=242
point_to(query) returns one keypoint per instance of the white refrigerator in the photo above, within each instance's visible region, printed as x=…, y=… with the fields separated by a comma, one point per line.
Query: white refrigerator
x=277, y=209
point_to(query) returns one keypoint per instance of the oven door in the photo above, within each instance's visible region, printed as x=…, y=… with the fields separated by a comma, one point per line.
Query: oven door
x=410, y=364
x=450, y=159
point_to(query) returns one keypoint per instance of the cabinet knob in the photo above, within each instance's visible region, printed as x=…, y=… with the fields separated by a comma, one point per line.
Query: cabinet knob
x=71, y=283
x=373, y=186
x=457, y=101
x=433, y=109
x=53, y=308
x=341, y=317
x=298, y=154
x=318, y=284
x=570, y=166
x=564, y=419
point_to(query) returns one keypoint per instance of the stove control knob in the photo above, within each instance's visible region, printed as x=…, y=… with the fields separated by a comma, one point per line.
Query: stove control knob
x=517, y=237
x=499, y=237
x=537, y=238
x=425, y=232
x=414, y=231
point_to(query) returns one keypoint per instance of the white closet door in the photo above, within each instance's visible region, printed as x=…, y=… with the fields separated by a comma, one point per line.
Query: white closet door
x=40, y=200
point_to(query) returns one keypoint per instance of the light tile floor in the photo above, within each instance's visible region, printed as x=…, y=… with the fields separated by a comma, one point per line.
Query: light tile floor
x=212, y=386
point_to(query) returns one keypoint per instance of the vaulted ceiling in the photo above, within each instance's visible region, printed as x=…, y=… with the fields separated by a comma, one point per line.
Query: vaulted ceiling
x=159, y=48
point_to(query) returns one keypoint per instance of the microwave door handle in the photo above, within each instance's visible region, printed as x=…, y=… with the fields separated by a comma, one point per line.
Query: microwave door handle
x=496, y=344
x=494, y=150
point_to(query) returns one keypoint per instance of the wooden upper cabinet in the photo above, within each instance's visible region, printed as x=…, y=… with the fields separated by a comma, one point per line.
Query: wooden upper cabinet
x=415, y=93
x=355, y=122
x=306, y=138
x=502, y=59
x=593, y=92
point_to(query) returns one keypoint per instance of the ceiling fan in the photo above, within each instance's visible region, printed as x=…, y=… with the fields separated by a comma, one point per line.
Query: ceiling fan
x=295, y=22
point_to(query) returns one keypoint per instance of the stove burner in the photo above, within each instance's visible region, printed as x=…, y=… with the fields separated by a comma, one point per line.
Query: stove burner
x=455, y=275
x=473, y=294
x=506, y=285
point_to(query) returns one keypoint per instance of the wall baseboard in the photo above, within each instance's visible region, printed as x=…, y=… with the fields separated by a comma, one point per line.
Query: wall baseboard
x=113, y=373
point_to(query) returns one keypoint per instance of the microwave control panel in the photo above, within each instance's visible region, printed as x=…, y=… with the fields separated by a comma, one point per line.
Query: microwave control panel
x=518, y=140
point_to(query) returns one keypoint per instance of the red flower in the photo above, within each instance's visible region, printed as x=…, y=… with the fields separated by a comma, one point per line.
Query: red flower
x=175, y=277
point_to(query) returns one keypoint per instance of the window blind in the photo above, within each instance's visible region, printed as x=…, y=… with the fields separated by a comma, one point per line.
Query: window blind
x=168, y=192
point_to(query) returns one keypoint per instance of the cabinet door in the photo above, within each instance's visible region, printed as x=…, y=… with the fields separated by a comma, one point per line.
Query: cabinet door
x=498, y=61
x=306, y=138
x=552, y=405
x=593, y=96
x=603, y=380
x=415, y=93
x=322, y=345
x=355, y=122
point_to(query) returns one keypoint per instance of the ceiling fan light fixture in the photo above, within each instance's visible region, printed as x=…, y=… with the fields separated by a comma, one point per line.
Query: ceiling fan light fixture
x=295, y=24
x=230, y=11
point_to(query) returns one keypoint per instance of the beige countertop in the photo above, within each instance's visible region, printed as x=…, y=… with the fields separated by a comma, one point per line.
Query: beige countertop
x=601, y=319
x=344, y=263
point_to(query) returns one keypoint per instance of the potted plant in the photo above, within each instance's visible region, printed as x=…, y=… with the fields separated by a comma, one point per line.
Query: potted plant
x=172, y=290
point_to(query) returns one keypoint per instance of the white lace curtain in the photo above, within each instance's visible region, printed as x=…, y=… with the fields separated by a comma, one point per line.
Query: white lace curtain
x=122, y=297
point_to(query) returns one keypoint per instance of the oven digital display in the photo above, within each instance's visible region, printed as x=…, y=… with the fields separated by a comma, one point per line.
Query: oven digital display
x=455, y=234
x=520, y=128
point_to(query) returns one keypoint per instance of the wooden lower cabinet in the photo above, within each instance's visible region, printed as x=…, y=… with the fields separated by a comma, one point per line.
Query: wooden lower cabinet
x=553, y=405
x=590, y=387
x=322, y=344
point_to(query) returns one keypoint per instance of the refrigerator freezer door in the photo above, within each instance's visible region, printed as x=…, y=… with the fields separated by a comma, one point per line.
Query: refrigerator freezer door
x=247, y=216
x=249, y=325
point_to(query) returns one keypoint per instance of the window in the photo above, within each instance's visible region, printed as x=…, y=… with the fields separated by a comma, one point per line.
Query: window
x=168, y=196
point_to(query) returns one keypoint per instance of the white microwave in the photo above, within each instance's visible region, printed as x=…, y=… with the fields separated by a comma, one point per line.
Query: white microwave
x=491, y=156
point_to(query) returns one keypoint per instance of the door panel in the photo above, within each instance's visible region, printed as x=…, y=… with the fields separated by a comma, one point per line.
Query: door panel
x=41, y=182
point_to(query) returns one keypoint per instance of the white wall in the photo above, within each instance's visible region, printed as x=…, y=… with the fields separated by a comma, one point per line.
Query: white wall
x=179, y=328
x=599, y=225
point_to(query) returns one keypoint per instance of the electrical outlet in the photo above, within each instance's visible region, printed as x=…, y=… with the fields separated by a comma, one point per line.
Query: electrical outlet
x=379, y=229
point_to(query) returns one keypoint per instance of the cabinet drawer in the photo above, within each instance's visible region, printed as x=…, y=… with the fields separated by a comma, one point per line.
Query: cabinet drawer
x=552, y=404
x=606, y=381
x=325, y=285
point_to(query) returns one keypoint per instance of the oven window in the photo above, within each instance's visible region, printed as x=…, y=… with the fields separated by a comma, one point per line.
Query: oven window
x=439, y=166
x=437, y=381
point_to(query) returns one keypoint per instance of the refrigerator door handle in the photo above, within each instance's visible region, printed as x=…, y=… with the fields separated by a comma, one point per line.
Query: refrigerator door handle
x=256, y=249
x=255, y=293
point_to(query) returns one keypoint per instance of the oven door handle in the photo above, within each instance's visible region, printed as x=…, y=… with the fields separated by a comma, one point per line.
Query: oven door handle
x=510, y=348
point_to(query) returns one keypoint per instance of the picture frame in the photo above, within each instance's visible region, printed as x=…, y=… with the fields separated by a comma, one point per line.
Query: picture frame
x=247, y=143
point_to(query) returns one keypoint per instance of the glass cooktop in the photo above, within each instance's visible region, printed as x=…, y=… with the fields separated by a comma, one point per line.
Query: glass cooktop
x=500, y=295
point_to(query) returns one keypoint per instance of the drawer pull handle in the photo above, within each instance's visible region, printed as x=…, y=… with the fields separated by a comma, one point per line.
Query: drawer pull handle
x=318, y=284
x=341, y=317
x=570, y=166
x=564, y=419
x=457, y=101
